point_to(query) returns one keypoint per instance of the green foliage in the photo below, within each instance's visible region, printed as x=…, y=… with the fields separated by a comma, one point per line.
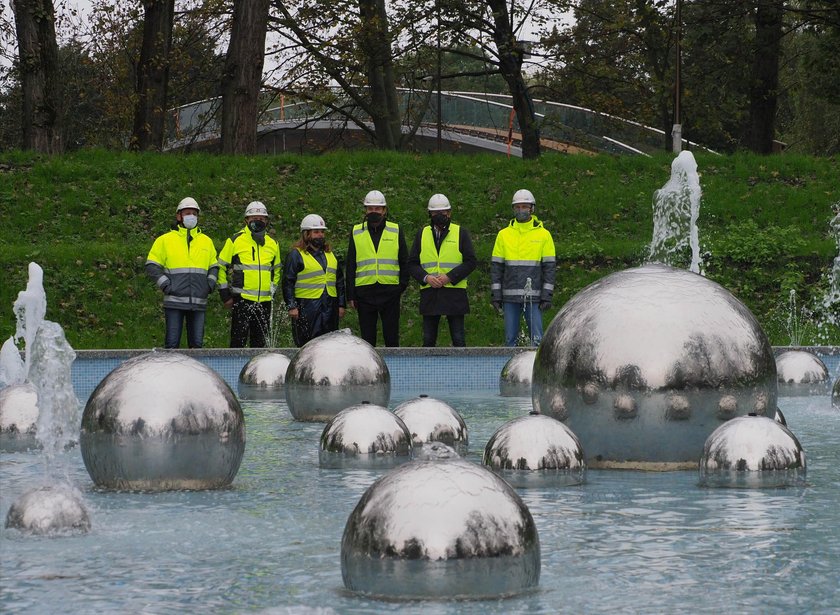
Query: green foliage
x=89, y=218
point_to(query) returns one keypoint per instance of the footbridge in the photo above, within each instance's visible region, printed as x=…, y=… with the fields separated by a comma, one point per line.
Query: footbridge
x=451, y=121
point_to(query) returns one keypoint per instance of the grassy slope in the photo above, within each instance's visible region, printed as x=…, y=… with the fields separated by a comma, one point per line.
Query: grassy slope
x=89, y=219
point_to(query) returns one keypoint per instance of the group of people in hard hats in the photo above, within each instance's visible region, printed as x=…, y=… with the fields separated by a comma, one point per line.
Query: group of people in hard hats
x=378, y=267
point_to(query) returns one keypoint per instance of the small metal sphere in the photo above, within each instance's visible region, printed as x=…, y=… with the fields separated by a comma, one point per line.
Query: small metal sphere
x=435, y=451
x=364, y=435
x=801, y=373
x=752, y=451
x=162, y=421
x=515, y=378
x=18, y=418
x=835, y=395
x=332, y=372
x=432, y=420
x=264, y=376
x=535, y=451
x=444, y=530
x=52, y=509
x=643, y=364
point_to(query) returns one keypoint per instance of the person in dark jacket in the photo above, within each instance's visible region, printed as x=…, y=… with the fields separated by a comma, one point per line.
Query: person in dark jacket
x=377, y=271
x=313, y=283
x=441, y=258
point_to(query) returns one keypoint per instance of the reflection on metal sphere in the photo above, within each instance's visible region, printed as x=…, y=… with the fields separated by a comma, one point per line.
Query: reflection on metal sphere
x=162, y=421
x=432, y=420
x=643, y=364
x=780, y=418
x=535, y=451
x=752, y=451
x=18, y=418
x=440, y=530
x=435, y=451
x=835, y=395
x=53, y=509
x=515, y=379
x=264, y=376
x=332, y=372
x=801, y=373
x=364, y=435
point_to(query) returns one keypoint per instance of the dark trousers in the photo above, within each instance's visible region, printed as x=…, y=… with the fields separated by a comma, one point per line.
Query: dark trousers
x=175, y=323
x=431, y=324
x=371, y=310
x=250, y=319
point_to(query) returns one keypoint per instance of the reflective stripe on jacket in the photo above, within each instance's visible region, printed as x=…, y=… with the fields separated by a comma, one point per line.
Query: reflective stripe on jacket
x=377, y=265
x=523, y=251
x=312, y=281
x=447, y=259
x=185, y=271
x=248, y=269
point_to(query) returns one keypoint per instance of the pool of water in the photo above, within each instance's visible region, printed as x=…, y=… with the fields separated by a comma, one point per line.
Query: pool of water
x=623, y=542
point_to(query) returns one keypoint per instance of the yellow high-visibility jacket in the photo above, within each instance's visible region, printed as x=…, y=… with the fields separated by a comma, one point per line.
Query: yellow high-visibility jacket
x=185, y=271
x=248, y=269
x=380, y=265
x=312, y=281
x=447, y=259
x=523, y=251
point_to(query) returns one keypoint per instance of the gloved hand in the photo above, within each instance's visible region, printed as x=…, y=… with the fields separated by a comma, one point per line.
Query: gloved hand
x=544, y=305
x=497, y=305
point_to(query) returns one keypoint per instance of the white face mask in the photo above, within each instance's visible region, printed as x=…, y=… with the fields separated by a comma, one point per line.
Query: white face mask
x=189, y=221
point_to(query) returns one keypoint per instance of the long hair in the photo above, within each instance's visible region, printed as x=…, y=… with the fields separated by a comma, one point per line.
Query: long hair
x=301, y=244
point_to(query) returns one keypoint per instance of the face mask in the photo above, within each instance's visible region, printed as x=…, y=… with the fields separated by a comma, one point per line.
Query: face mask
x=374, y=218
x=256, y=226
x=522, y=216
x=189, y=221
x=318, y=243
x=440, y=219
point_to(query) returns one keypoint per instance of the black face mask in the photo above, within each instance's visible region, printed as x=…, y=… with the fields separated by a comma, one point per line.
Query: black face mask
x=256, y=226
x=374, y=218
x=318, y=243
x=441, y=220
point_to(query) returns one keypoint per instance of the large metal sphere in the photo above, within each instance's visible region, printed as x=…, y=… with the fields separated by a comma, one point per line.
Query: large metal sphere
x=535, y=451
x=752, y=451
x=801, y=373
x=432, y=420
x=645, y=363
x=162, y=421
x=515, y=378
x=364, y=435
x=53, y=509
x=332, y=372
x=264, y=376
x=432, y=529
x=835, y=395
x=18, y=418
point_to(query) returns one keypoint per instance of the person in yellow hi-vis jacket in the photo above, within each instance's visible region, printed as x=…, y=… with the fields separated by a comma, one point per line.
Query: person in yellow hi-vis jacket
x=522, y=270
x=182, y=263
x=377, y=271
x=249, y=273
x=313, y=283
x=441, y=258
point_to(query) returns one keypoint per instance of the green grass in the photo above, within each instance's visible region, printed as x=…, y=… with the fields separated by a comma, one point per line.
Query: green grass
x=89, y=219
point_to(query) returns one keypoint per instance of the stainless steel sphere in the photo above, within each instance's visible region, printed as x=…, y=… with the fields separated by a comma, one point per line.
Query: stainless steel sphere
x=432, y=420
x=645, y=363
x=264, y=376
x=752, y=451
x=801, y=373
x=536, y=451
x=515, y=378
x=52, y=509
x=435, y=451
x=364, y=435
x=432, y=529
x=162, y=421
x=332, y=372
x=18, y=418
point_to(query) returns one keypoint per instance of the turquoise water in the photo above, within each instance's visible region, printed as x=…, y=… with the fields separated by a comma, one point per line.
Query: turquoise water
x=623, y=542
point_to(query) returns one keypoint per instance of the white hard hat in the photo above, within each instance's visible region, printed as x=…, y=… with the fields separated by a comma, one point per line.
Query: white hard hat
x=313, y=222
x=256, y=208
x=439, y=202
x=374, y=198
x=187, y=203
x=523, y=196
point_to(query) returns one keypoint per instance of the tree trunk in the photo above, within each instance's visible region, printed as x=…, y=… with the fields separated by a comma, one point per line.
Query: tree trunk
x=375, y=43
x=764, y=88
x=243, y=76
x=153, y=75
x=510, y=64
x=38, y=53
